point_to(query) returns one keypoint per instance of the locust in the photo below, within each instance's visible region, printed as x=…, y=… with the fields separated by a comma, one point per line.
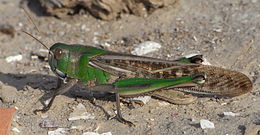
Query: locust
x=126, y=75
x=170, y=80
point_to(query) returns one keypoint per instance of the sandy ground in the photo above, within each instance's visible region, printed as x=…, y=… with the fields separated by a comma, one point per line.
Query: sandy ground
x=225, y=32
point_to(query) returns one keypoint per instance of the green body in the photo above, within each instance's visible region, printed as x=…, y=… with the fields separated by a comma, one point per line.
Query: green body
x=75, y=63
x=135, y=86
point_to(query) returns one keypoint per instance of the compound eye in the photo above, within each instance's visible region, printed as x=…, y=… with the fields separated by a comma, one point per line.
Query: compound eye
x=58, y=53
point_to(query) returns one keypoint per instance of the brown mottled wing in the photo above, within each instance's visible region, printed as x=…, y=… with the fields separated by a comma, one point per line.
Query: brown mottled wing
x=137, y=66
x=219, y=81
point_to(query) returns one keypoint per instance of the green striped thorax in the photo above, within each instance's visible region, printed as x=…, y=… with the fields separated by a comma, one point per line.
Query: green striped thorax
x=72, y=61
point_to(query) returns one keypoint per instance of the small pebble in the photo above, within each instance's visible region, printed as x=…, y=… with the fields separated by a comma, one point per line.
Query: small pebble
x=16, y=130
x=59, y=131
x=217, y=30
x=223, y=103
x=84, y=28
x=34, y=57
x=40, y=54
x=206, y=124
x=257, y=80
x=44, y=116
x=93, y=133
x=95, y=40
x=230, y=114
x=106, y=44
x=14, y=58
x=195, y=38
x=48, y=124
x=145, y=48
x=20, y=24
x=44, y=50
x=151, y=119
x=144, y=99
x=80, y=112
x=90, y=133
x=78, y=127
x=205, y=62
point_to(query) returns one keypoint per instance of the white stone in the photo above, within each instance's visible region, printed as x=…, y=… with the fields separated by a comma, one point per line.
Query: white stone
x=107, y=133
x=145, y=48
x=230, y=114
x=44, y=116
x=257, y=80
x=80, y=112
x=59, y=131
x=95, y=40
x=48, y=124
x=83, y=116
x=106, y=44
x=20, y=24
x=205, y=62
x=90, y=133
x=206, y=124
x=44, y=50
x=163, y=103
x=223, y=103
x=34, y=57
x=217, y=30
x=93, y=133
x=16, y=130
x=78, y=127
x=80, y=106
x=83, y=27
x=14, y=58
x=144, y=99
x=195, y=38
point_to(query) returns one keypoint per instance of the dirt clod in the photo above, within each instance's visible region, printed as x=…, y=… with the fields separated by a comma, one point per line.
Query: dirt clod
x=103, y=9
x=8, y=94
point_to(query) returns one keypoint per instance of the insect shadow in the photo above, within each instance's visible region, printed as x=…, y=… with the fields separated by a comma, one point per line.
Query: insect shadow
x=48, y=84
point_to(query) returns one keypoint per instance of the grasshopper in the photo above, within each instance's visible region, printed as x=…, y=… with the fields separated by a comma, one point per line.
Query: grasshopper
x=167, y=80
x=138, y=75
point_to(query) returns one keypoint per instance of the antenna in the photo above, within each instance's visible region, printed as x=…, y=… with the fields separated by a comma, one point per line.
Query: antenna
x=36, y=39
x=30, y=18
